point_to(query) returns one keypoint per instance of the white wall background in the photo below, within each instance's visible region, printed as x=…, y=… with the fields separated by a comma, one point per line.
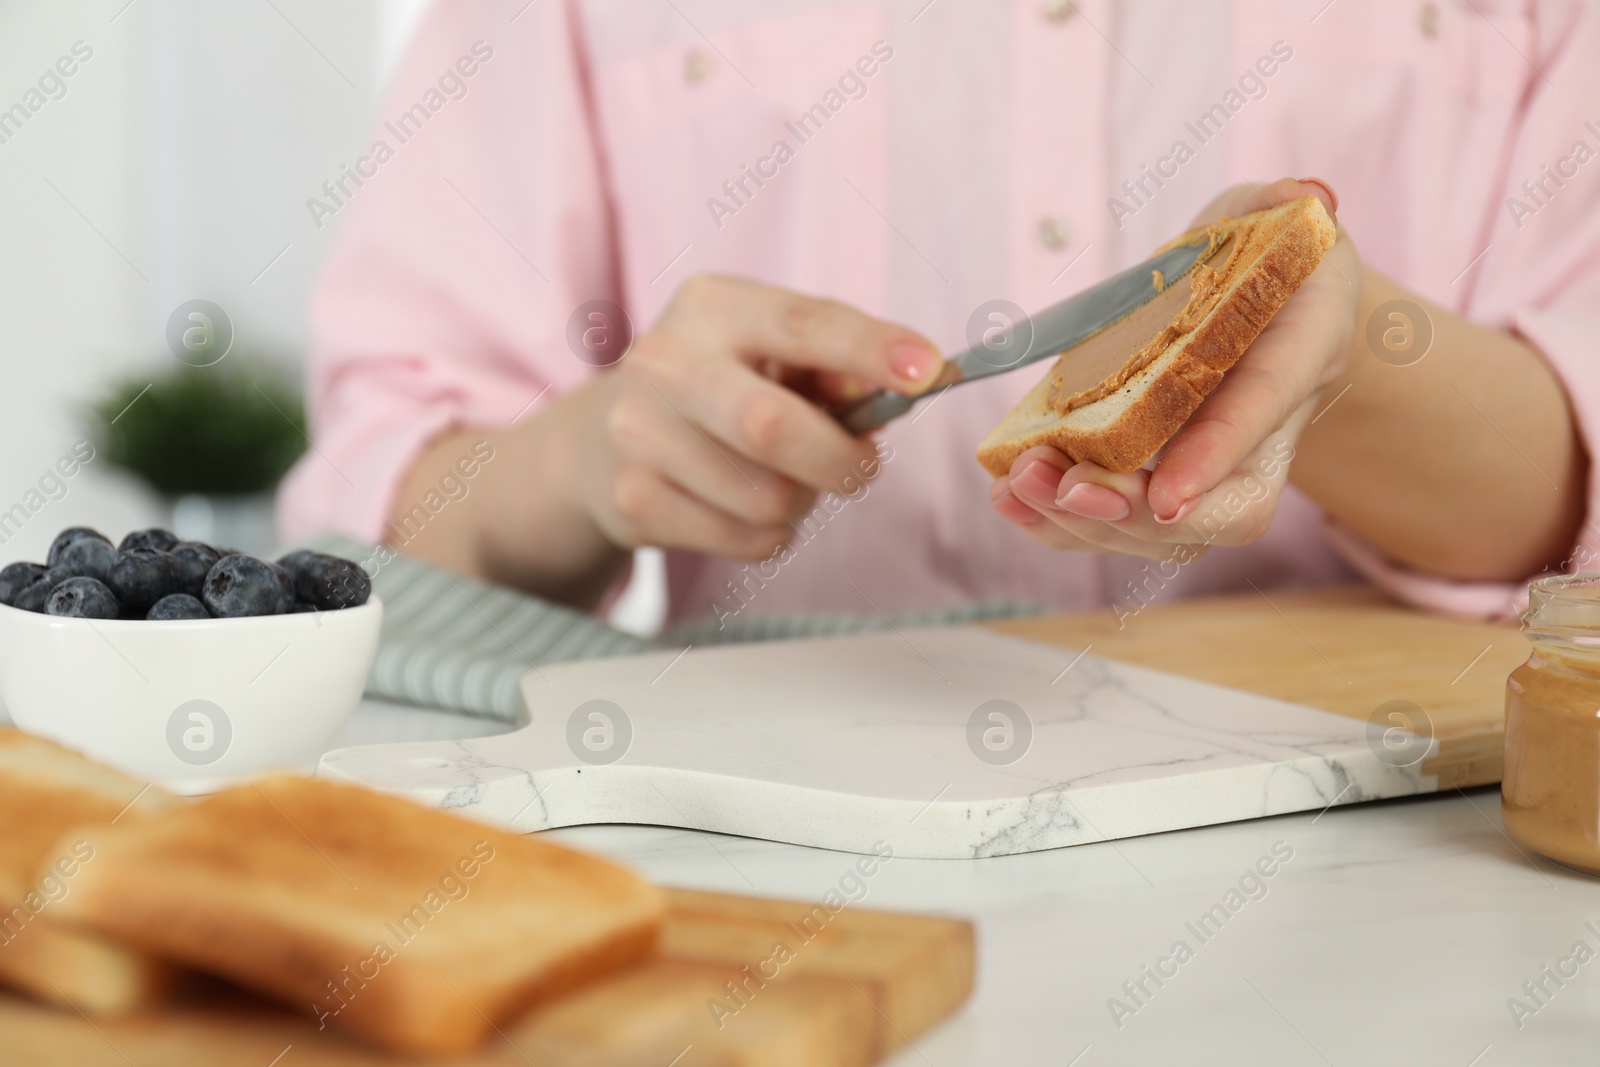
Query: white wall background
x=176, y=166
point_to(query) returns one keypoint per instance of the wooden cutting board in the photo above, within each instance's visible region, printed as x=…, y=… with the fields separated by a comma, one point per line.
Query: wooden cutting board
x=1345, y=650
x=864, y=984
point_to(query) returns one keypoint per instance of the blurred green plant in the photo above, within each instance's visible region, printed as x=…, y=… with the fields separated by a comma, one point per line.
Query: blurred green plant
x=225, y=430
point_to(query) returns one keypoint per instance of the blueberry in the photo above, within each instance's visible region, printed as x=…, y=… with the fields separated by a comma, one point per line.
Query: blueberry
x=82, y=598
x=88, y=557
x=34, y=597
x=15, y=577
x=177, y=606
x=295, y=560
x=141, y=576
x=328, y=582
x=195, y=561
x=243, y=585
x=303, y=607
x=155, y=537
x=285, y=588
x=66, y=537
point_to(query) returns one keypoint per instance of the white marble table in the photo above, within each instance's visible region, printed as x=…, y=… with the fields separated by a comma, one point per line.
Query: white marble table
x=1395, y=934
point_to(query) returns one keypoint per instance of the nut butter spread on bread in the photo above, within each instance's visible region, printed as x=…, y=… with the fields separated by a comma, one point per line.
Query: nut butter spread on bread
x=417, y=930
x=51, y=800
x=1118, y=397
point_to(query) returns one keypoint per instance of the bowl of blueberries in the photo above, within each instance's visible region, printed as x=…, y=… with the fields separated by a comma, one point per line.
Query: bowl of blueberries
x=187, y=664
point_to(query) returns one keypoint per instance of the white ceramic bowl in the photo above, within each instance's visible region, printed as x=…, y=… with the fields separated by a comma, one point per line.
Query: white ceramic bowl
x=194, y=704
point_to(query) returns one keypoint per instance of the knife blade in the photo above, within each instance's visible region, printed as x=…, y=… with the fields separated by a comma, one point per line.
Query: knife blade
x=1048, y=333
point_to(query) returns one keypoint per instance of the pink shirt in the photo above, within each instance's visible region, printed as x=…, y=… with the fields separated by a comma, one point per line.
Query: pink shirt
x=951, y=152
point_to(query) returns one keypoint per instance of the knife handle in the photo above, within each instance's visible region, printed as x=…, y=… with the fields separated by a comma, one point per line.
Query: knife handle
x=872, y=411
x=879, y=406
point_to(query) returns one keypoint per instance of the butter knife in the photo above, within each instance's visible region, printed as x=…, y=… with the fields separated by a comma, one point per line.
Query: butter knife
x=1049, y=333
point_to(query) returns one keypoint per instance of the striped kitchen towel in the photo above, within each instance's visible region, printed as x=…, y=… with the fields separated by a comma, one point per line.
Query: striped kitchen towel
x=459, y=643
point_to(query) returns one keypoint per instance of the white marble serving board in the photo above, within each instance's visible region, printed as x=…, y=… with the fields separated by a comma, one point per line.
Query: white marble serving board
x=844, y=742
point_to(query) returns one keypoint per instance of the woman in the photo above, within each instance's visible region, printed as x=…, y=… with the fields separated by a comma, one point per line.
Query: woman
x=797, y=201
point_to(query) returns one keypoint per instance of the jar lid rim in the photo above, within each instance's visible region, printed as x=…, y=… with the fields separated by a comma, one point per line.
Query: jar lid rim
x=1565, y=606
x=1561, y=583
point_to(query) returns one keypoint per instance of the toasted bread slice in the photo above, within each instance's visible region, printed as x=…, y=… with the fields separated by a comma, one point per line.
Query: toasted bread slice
x=1118, y=397
x=415, y=929
x=46, y=794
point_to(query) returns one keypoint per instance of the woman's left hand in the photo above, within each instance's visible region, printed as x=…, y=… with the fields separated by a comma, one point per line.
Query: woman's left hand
x=1217, y=481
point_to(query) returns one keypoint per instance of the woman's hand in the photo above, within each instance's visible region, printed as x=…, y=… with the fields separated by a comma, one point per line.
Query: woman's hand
x=710, y=435
x=1217, y=481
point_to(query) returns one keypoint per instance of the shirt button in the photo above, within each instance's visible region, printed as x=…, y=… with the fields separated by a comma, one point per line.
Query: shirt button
x=1053, y=233
x=1059, y=10
x=1428, y=20
x=696, y=65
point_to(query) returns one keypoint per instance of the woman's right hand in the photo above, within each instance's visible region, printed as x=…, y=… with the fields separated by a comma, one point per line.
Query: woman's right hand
x=710, y=434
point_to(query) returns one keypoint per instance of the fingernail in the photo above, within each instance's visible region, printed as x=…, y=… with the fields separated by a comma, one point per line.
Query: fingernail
x=1333, y=197
x=913, y=362
x=1093, y=501
x=1040, y=480
x=1184, y=511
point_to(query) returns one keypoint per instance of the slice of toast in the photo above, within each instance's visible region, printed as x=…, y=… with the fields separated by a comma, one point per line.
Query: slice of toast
x=415, y=929
x=50, y=799
x=1119, y=396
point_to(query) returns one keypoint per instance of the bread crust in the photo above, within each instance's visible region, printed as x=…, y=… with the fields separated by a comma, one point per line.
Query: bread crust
x=46, y=791
x=1163, y=403
x=289, y=887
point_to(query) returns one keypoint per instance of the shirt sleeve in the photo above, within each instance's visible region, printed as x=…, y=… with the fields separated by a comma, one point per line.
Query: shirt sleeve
x=1539, y=278
x=470, y=227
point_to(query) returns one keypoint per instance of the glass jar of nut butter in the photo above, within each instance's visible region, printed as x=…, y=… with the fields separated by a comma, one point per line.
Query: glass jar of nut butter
x=1550, y=790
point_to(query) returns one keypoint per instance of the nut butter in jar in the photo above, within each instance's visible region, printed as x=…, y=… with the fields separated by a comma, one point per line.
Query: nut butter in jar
x=1550, y=790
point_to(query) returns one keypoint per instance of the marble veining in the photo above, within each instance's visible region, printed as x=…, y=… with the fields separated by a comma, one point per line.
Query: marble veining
x=842, y=742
